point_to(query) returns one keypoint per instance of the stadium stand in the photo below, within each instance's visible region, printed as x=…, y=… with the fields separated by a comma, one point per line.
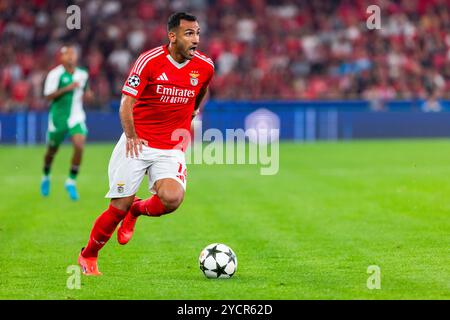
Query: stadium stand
x=263, y=49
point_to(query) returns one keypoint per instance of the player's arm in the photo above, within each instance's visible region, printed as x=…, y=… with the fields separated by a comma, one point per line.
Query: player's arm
x=88, y=93
x=198, y=100
x=134, y=144
x=131, y=91
x=61, y=91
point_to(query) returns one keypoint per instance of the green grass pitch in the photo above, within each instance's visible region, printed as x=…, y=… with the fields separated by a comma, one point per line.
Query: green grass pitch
x=309, y=232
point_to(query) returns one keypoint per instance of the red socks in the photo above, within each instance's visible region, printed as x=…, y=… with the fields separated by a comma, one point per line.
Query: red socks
x=103, y=229
x=107, y=222
x=150, y=207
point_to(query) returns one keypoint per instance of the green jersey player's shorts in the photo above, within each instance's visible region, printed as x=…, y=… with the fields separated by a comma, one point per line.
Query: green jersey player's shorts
x=56, y=137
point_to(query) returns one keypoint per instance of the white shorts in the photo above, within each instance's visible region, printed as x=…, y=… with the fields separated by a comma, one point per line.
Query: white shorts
x=126, y=174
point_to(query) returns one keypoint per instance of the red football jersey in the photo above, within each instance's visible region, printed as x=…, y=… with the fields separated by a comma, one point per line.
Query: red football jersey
x=165, y=93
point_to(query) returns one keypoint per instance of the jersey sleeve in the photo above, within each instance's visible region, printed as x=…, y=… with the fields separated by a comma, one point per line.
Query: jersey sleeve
x=137, y=79
x=51, y=83
x=208, y=80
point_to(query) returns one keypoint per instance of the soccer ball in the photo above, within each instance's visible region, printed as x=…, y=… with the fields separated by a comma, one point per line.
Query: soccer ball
x=218, y=261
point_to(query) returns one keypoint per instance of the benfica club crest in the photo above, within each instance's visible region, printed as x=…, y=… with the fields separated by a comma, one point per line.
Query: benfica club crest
x=120, y=188
x=194, y=77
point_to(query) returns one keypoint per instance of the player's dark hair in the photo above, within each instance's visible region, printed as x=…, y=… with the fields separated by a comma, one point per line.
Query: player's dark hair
x=174, y=19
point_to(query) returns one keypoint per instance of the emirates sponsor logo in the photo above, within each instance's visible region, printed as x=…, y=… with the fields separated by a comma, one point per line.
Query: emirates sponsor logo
x=174, y=94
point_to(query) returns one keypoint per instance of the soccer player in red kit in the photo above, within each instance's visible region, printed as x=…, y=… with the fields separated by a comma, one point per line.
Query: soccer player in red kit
x=159, y=100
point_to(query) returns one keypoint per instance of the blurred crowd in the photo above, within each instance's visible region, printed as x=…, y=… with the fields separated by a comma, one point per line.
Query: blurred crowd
x=262, y=49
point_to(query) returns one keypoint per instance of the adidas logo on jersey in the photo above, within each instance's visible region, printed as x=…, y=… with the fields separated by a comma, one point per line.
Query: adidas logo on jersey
x=163, y=77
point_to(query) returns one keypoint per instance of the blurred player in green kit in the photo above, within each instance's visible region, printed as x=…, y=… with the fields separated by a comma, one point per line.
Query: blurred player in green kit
x=65, y=87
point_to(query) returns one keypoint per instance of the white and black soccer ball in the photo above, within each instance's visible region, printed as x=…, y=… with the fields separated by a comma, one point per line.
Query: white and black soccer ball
x=218, y=261
x=133, y=81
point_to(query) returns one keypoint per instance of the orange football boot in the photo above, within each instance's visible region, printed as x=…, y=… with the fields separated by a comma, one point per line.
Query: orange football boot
x=88, y=266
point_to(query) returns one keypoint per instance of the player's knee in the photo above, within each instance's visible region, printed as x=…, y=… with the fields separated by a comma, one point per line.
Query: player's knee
x=123, y=204
x=78, y=147
x=51, y=152
x=171, y=200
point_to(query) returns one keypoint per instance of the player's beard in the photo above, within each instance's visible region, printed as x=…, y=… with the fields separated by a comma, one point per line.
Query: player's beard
x=185, y=52
x=187, y=55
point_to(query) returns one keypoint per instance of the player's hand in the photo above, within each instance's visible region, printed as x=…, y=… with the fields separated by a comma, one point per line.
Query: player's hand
x=194, y=114
x=134, y=146
x=89, y=95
